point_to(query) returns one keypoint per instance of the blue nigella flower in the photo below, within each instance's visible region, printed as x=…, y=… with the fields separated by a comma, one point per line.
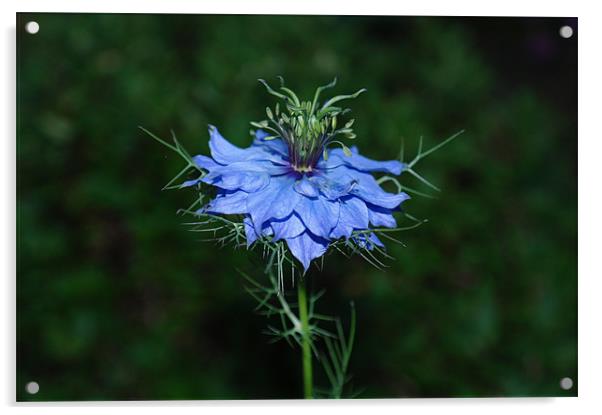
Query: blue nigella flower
x=290, y=186
x=308, y=208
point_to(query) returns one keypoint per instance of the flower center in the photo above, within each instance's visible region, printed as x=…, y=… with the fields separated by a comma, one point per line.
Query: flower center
x=307, y=127
x=303, y=169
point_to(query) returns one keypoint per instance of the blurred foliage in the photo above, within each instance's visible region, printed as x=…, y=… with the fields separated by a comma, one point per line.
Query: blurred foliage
x=116, y=300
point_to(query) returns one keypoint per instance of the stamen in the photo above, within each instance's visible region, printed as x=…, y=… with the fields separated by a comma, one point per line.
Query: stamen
x=306, y=127
x=303, y=169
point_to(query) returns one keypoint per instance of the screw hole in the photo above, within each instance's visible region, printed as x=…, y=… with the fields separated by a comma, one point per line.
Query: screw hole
x=566, y=32
x=32, y=27
x=566, y=383
x=32, y=388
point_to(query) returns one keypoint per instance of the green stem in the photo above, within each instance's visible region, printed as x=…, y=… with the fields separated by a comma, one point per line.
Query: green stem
x=305, y=343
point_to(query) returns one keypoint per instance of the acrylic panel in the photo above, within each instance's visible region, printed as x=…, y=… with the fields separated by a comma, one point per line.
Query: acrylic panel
x=389, y=212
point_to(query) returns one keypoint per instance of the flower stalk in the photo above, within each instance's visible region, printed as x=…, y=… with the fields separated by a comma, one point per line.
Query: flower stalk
x=305, y=341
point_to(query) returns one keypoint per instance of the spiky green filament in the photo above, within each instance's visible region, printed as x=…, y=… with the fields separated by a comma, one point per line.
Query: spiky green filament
x=307, y=127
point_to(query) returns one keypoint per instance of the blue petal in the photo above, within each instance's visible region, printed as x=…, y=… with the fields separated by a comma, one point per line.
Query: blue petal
x=247, y=181
x=250, y=233
x=368, y=242
x=263, y=166
x=205, y=162
x=275, y=201
x=275, y=145
x=307, y=187
x=374, y=239
x=227, y=203
x=319, y=215
x=365, y=187
x=189, y=183
x=380, y=216
x=225, y=152
x=380, y=197
x=287, y=228
x=332, y=189
x=337, y=157
x=249, y=176
x=260, y=135
x=354, y=215
x=222, y=150
x=306, y=247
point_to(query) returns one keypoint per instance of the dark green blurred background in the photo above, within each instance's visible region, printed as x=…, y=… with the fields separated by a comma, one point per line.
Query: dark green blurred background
x=117, y=300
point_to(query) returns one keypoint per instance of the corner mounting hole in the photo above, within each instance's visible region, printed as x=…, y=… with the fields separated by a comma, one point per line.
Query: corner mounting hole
x=32, y=27
x=566, y=32
x=566, y=383
x=32, y=388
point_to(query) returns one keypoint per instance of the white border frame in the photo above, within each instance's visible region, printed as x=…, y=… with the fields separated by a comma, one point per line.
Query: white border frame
x=590, y=202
